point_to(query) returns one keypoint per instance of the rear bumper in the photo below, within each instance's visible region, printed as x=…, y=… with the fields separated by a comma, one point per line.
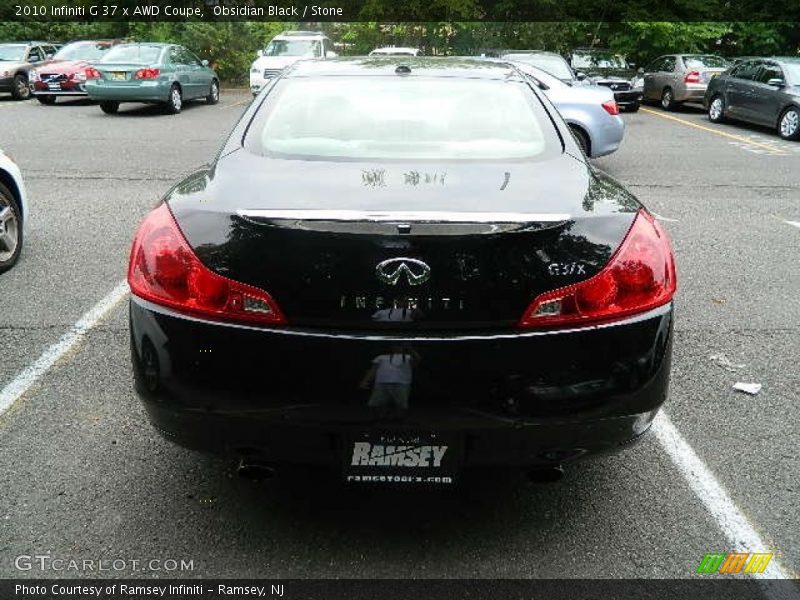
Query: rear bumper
x=628, y=98
x=147, y=91
x=607, y=135
x=691, y=92
x=69, y=88
x=290, y=396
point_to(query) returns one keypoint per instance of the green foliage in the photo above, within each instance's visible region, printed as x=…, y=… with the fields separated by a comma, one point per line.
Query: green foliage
x=231, y=46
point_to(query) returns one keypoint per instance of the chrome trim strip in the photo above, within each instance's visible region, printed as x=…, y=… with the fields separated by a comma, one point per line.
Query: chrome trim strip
x=424, y=216
x=656, y=312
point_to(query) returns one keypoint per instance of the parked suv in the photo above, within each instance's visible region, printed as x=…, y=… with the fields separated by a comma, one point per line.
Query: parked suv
x=16, y=61
x=614, y=71
x=286, y=49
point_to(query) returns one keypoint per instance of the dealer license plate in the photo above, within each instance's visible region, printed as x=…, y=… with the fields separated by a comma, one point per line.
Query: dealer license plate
x=401, y=458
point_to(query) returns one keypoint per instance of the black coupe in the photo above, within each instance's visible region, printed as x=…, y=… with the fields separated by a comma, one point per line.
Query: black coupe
x=401, y=267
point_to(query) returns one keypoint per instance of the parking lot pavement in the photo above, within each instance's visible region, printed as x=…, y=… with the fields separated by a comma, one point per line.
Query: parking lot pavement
x=86, y=477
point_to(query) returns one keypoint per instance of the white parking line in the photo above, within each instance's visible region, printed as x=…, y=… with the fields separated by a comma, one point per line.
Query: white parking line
x=740, y=533
x=795, y=223
x=30, y=375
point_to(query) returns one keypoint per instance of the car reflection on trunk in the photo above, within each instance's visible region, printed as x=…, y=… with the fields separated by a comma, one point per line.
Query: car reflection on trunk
x=390, y=377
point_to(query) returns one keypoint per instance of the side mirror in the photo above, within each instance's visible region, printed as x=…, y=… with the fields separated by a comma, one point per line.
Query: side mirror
x=776, y=82
x=640, y=70
x=33, y=59
x=204, y=62
x=580, y=75
x=259, y=53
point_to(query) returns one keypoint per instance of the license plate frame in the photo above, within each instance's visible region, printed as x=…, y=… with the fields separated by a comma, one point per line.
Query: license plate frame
x=401, y=458
x=118, y=75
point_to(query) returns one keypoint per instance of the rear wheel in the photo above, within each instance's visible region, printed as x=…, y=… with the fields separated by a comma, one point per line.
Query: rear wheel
x=213, y=93
x=175, y=100
x=19, y=88
x=789, y=124
x=46, y=99
x=582, y=139
x=109, y=107
x=716, y=110
x=668, y=99
x=10, y=229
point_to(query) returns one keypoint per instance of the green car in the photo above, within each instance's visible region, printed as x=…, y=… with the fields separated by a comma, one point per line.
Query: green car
x=154, y=73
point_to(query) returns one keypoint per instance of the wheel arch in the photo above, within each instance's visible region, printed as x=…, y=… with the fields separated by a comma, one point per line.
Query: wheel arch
x=8, y=181
x=585, y=131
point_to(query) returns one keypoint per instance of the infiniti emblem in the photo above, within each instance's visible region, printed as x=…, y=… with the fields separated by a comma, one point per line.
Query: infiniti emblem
x=390, y=271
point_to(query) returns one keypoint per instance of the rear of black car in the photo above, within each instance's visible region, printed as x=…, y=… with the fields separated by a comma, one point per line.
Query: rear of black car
x=405, y=297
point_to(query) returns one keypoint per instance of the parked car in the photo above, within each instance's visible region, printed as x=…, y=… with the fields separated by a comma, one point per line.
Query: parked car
x=401, y=269
x=13, y=212
x=396, y=51
x=679, y=78
x=611, y=70
x=764, y=91
x=284, y=50
x=16, y=61
x=554, y=64
x=153, y=73
x=65, y=75
x=590, y=111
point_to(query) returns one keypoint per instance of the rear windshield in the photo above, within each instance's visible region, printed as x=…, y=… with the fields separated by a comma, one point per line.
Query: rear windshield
x=401, y=118
x=294, y=48
x=132, y=54
x=705, y=62
x=555, y=65
x=83, y=51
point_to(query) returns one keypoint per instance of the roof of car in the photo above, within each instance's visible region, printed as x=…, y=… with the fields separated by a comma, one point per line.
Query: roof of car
x=294, y=35
x=473, y=68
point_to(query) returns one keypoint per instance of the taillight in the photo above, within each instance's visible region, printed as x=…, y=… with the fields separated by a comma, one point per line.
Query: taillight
x=611, y=107
x=639, y=277
x=692, y=77
x=147, y=74
x=92, y=73
x=164, y=270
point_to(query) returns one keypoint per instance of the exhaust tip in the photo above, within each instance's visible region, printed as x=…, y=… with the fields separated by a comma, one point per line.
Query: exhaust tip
x=546, y=475
x=252, y=470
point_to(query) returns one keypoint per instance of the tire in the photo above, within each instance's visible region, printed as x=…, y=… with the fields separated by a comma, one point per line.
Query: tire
x=47, y=99
x=174, y=100
x=19, y=88
x=213, y=93
x=716, y=109
x=109, y=107
x=582, y=139
x=634, y=108
x=10, y=229
x=789, y=124
x=668, y=99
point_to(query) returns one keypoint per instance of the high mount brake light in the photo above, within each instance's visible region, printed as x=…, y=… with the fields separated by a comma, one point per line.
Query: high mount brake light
x=611, y=107
x=638, y=278
x=164, y=270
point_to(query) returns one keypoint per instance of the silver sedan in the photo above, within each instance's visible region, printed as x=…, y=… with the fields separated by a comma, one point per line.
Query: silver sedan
x=590, y=111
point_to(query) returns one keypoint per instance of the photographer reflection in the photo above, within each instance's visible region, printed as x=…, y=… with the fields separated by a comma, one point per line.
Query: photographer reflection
x=402, y=310
x=390, y=378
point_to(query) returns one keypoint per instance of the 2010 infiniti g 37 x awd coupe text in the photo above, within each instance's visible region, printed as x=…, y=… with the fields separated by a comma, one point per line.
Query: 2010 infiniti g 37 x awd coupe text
x=403, y=267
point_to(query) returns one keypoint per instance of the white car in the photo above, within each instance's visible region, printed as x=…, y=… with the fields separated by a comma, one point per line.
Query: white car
x=396, y=51
x=13, y=212
x=286, y=49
